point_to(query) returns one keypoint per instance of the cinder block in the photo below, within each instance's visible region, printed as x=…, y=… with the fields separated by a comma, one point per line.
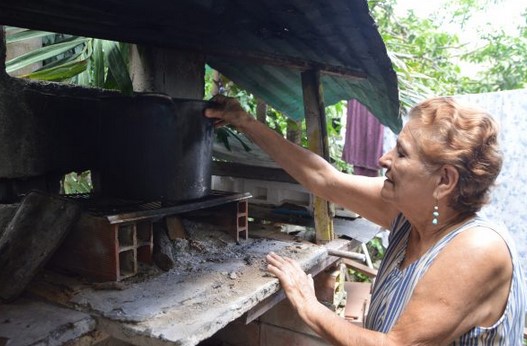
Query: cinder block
x=102, y=251
x=231, y=217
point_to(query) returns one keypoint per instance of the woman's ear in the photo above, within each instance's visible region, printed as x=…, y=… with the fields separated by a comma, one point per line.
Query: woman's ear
x=448, y=178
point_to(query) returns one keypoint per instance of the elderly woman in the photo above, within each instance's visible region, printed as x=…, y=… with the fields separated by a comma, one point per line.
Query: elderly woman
x=448, y=277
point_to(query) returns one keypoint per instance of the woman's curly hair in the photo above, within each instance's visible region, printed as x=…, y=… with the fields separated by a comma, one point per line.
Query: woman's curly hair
x=464, y=137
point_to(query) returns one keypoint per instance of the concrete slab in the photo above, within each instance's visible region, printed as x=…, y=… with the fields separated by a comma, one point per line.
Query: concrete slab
x=31, y=322
x=186, y=309
x=195, y=299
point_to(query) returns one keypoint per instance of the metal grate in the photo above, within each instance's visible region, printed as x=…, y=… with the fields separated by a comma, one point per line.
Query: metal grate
x=119, y=210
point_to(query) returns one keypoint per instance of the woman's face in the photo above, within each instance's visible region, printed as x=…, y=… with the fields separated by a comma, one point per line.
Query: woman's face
x=408, y=184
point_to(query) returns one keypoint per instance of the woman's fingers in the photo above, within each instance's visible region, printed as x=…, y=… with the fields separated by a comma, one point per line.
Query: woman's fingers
x=224, y=110
x=298, y=287
x=271, y=256
x=213, y=113
x=285, y=268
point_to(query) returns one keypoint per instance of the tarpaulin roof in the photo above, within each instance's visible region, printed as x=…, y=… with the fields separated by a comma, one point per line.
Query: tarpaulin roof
x=263, y=46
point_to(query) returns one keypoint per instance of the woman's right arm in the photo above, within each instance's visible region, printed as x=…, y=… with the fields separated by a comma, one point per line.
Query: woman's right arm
x=357, y=193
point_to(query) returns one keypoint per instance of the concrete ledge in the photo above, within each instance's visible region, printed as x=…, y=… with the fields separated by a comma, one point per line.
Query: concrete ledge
x=32, y=322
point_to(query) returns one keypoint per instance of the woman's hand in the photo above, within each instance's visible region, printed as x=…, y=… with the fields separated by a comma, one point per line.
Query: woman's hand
x=298, y=287
x=226, y=110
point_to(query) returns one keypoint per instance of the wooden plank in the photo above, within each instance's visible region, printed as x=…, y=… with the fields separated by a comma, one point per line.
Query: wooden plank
x=347, y=254
x=317, y=142
x=268, y=213
x=239, y=170
x=289, y=62
x=32, y=236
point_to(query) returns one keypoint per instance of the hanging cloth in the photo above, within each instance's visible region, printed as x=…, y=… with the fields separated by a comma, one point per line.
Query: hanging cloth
x=363, y=140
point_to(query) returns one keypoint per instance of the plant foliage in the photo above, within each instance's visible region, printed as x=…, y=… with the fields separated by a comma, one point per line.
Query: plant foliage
x=72, y=59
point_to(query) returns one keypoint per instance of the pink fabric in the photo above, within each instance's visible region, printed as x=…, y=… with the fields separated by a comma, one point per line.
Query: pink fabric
x=363, y=140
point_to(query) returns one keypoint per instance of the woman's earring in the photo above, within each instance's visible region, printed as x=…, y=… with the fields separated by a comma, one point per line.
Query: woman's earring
x=435, y=214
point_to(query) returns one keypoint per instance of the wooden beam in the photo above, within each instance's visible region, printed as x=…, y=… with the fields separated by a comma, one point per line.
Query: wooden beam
x=317, y=143
x=361, y=268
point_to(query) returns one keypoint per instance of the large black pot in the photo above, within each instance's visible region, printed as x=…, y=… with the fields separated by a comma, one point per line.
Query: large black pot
x=155, y=148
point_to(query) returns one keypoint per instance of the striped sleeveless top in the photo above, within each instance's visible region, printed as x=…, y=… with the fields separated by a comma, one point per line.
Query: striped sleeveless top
x=394, y=287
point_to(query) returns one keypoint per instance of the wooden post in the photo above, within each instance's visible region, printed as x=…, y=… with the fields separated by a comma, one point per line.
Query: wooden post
x=261, y=111
x=294, y=131
x=318, y=143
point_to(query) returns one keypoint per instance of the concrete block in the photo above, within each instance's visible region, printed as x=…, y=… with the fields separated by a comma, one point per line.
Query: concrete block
x=102, y=251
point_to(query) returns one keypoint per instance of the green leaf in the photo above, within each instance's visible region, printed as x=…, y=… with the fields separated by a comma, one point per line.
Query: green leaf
x=59, y=73
x=235, y=135
x=110, y=82
x=59, y=62
x=222, y=136
x=117, y=66
x=42, y=54
x=25, y=34
x=98, y=63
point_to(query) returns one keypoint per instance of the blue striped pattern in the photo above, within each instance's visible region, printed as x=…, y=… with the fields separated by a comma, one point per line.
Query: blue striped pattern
x=393, y=288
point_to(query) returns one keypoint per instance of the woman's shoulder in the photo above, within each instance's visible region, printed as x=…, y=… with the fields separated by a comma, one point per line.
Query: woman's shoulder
x=482, y=244
x=481, y=235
